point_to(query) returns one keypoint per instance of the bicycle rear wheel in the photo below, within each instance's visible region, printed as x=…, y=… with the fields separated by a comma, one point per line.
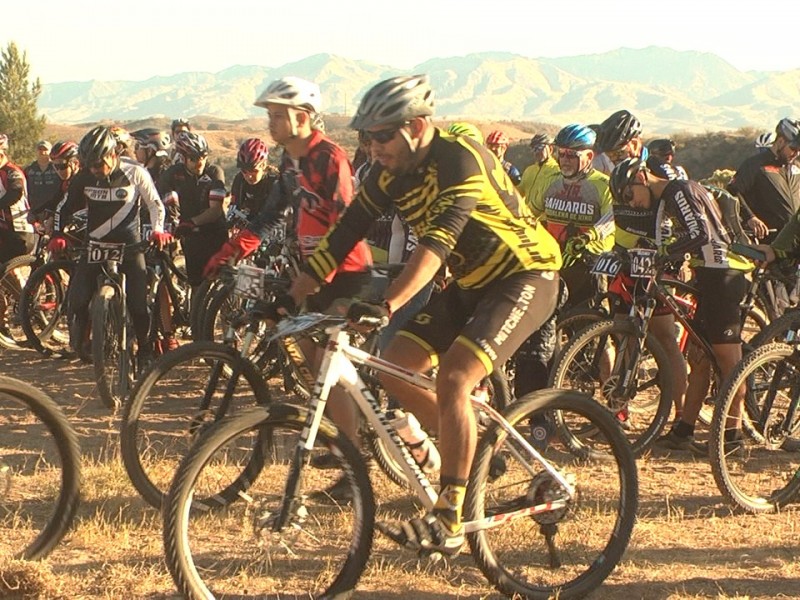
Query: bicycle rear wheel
x=759, y=472
x=43, y=308
x=183, y=394
x=563, y=552
x=39, y=471
x=595, y=362
x=323, y=545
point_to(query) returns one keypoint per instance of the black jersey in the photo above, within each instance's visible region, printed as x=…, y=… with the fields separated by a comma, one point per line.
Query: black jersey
x=248, y=198
x=769, y=188
x=194, y=193
x=113, y=203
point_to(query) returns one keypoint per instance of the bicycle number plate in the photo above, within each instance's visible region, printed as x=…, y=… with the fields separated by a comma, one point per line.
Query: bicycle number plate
x=147, y=229
x=608, y=263
x=102, y=251
x=643, y=262
x=249, y=282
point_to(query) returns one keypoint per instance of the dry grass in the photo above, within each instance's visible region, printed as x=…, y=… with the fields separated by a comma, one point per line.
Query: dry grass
x=687, y=544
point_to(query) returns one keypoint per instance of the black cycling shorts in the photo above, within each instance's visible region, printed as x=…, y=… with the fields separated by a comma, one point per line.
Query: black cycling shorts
x=719, y=314
x=492, y=321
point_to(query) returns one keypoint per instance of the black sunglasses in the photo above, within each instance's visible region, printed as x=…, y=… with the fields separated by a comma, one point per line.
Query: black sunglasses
x=61, y=166
x=382, y=136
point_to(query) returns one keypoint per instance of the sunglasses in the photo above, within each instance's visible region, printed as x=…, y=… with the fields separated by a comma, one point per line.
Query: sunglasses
x=567, y=153
x=382, y=136
x=619, y=154
x=61, y=166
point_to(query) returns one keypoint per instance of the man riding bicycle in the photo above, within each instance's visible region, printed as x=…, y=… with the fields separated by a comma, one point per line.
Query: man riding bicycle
x=468, y=215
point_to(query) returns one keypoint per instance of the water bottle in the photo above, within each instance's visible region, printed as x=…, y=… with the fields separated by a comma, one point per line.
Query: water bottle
x=422, y=448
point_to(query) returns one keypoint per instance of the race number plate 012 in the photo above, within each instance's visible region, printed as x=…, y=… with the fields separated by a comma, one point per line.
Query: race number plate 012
x=643, y=262
x=608, y=263
x=98, y=252
x=250, y=282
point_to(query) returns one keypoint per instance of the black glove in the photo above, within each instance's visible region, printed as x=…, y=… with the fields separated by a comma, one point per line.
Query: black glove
x=377, y=311
x=276, y=310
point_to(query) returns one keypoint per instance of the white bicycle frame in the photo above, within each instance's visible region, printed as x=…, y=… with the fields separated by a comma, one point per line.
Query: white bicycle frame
x=339, y=367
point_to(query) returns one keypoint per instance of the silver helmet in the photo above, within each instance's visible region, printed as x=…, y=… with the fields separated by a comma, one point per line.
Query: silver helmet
x=394, y=101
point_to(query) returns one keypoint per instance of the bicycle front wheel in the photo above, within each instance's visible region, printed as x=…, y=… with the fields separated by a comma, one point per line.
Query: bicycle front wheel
x=757, y=471
x=43, y=312
x=596, y=362
x=183, y=394
x=14, y=277
x=39, y=471
x=562, y=548
x=108, y=319
x=315, y=545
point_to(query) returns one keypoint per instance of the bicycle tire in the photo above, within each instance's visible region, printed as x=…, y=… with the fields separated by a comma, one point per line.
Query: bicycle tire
x=748, y=475
x=66, y=453
x=12, y=336
x=646, y=419
x=158, y=425
x=200, y=298
x=338, y=549
x=776, y=330
x=107, y=323
x=221, y=301
x=42, y=315
x=594, y=505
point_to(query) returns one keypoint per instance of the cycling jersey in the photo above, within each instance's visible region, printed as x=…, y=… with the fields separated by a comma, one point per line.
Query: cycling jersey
x=318, y=186
x=461, y=205
x=14, y=199
x=42, y=184
x=113, y=203
x=769, y=188
x=512, y=171
x=248, y=198
x=697, y=227
x=582, y=205
x=194, y=193
x=531, y=175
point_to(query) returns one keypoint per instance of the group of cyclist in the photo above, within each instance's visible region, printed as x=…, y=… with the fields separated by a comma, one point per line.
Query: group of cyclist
x=513, y=247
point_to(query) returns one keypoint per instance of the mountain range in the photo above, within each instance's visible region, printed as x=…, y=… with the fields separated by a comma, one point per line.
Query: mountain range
x=668, y=90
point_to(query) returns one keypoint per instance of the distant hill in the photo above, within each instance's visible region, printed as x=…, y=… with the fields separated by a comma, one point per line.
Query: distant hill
x=668, y=90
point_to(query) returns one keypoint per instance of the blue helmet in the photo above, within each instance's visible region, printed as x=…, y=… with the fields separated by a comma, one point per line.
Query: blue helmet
x=575, y=137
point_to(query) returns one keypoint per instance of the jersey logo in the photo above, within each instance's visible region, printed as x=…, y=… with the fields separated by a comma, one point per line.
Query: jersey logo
x=121, y=193
x=98, y=194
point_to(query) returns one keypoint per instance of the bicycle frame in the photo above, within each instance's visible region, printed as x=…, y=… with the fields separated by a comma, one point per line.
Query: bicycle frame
x=339, y=366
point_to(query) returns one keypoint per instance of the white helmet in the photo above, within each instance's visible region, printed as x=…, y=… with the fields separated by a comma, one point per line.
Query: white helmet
x=393, y=101
x=765, y=140
x=292, y=91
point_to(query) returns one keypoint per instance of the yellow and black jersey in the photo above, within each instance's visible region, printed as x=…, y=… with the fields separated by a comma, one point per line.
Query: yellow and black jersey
x=461, y=205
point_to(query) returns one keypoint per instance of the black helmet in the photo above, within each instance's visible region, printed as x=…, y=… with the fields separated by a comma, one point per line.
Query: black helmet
x=191, y=145
x=623, y=175
x=179, y=123
x=152, y=138
x=96, y=145
x=661, y=147
x=617, y=130
x=541, y=139
x=789, y=129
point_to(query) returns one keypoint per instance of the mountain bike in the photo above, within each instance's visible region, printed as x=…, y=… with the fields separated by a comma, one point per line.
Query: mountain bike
x=40, y=474
x=552, y=521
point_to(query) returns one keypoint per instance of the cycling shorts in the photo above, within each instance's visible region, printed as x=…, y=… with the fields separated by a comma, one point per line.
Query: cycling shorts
x=719, y=314
x=492, y=321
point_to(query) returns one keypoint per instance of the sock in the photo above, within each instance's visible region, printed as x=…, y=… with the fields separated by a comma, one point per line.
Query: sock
x=450, y=502
x=682, y=429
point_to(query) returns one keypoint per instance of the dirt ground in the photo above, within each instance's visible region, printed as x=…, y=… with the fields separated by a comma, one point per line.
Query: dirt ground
x=686, y=544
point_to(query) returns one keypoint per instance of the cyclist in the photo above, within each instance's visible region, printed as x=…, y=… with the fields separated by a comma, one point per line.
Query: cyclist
x=124, y=143
x=65, y=161
x=544, y=163
x=16, y=234
x=177, y=126
x=197, y=190
x=467, y=214
x=316, y=181
x=769, y=182
x=661, y=157
x=468, y=129
x=151, y=149
x=576, y=206
x=696, y=227
x=111, y=190
x=497, y=142
x=618, y=137
x=253, y=183
x=43, y=181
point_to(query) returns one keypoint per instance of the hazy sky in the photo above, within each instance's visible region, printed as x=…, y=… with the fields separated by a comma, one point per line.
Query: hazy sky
x=84, y=39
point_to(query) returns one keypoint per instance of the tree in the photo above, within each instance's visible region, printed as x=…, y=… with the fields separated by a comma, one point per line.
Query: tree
x=18, y=111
